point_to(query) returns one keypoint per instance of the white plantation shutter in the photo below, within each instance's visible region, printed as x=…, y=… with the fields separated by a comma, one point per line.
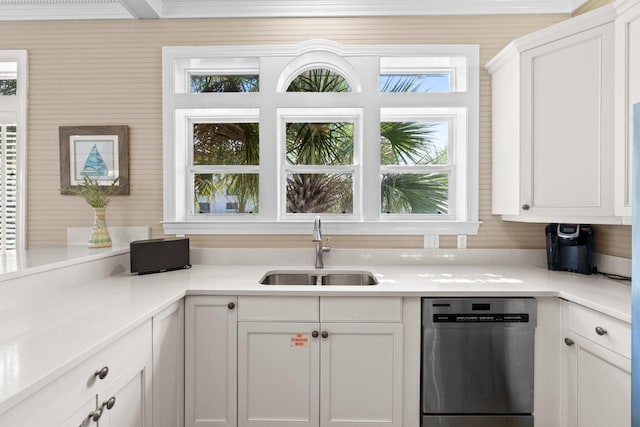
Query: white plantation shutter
x=13, y=132
x=8, y=185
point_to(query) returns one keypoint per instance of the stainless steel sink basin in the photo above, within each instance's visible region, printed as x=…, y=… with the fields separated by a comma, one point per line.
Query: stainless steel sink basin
x=318, y=277
x=349, y=279
x=289, y=278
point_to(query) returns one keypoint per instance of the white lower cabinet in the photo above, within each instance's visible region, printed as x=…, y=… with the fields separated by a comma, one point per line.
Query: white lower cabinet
x=320, y=361
x=168, y=366
x=278, y=381
x=126, y=401
x=361, y=374
x=210, y=361
x=110, y=389
x=598, y=369
x=80, y=417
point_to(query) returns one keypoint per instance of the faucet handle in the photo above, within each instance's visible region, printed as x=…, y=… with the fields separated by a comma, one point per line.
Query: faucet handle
x=317, y=230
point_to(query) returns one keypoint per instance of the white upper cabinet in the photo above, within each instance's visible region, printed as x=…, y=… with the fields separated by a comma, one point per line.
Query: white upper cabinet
x=627, y=93
x=553, y=123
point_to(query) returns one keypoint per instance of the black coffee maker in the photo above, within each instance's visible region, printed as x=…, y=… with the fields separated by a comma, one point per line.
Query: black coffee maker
x=570, y=247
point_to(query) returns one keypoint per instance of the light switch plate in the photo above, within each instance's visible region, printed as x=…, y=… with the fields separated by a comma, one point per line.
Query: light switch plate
x=462, y=241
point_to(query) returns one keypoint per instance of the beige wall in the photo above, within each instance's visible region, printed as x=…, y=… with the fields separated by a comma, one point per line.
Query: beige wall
x=109, y=72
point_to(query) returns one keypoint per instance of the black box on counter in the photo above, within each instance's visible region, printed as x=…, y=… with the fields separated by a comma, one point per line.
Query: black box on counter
x=157, y=255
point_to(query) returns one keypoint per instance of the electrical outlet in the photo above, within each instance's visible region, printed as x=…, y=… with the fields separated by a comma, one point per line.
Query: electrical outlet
x=462, y=241
x=431, y=241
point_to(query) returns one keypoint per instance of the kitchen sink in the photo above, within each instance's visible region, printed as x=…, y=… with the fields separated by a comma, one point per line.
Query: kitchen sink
x=349, y=279
x=288, y=278
x=315, y=277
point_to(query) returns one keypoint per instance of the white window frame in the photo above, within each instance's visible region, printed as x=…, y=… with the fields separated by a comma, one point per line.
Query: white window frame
x=13, y=109
x=278, y=65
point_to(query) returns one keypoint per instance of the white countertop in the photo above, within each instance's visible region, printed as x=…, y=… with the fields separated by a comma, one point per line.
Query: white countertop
x=15, y=264
x=42, y=340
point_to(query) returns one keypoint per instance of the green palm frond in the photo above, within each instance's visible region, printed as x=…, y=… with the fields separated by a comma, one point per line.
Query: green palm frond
x=414, y=193
x=399, y=84
x=95, y=194
x=319, y=80
x=405, y=143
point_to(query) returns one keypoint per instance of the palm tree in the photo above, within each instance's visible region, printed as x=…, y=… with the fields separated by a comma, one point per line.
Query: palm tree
x=319, y=193
x=8, y=87
x=401, y=143
x=322, y=144
x=411, y=143
x=319, y=80
x=201, y=84
x=227, y=144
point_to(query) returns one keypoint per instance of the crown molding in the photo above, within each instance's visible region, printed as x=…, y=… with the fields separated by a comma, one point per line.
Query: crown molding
x=167, y=9
x=313, y=8
x=58, y=11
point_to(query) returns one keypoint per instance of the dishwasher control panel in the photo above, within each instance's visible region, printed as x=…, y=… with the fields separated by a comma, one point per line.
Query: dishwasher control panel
x=480, y=318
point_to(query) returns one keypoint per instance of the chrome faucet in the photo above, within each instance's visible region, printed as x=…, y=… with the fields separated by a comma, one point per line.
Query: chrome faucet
x=317, y=238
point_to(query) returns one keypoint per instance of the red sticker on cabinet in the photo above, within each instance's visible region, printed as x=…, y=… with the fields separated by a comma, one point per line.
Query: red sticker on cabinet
x=299, y=340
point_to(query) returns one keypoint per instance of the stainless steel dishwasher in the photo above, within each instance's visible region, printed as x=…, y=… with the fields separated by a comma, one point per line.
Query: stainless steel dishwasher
x=477, y=362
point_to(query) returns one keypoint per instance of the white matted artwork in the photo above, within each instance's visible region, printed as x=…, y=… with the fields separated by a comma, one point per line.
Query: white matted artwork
x=97, y=152
x=95, y=156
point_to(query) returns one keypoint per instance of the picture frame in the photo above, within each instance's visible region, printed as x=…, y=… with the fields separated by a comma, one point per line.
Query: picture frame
x=100, y=152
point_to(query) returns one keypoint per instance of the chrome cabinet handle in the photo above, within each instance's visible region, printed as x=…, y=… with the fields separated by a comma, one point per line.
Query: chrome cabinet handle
x=568, y=341
x=601, y=331
x=325, y=334
x=315, y=334
x=102, y=373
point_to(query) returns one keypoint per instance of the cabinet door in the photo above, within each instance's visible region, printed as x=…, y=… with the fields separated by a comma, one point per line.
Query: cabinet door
x=567, y=127
x=82, y=417
x=210, y=361
x=599, y=384
x=126, y=402
x=168, y=367
x=361, y=374
x=627, y=94
x=278, y=374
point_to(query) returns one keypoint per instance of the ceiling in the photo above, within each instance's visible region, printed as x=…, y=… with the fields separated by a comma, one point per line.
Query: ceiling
x=13, y=10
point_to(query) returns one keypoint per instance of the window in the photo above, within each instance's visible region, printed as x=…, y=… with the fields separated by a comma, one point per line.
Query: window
x=12, y=147
x=320, y=161
x=375, y=139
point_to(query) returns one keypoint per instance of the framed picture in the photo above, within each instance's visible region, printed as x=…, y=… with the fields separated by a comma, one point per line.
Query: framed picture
x=99, y=152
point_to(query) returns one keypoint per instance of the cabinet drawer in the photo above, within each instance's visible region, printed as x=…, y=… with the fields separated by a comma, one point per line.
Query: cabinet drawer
x=274, y=309
x=616, y=334
x=74, y=390
x=361, y=309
